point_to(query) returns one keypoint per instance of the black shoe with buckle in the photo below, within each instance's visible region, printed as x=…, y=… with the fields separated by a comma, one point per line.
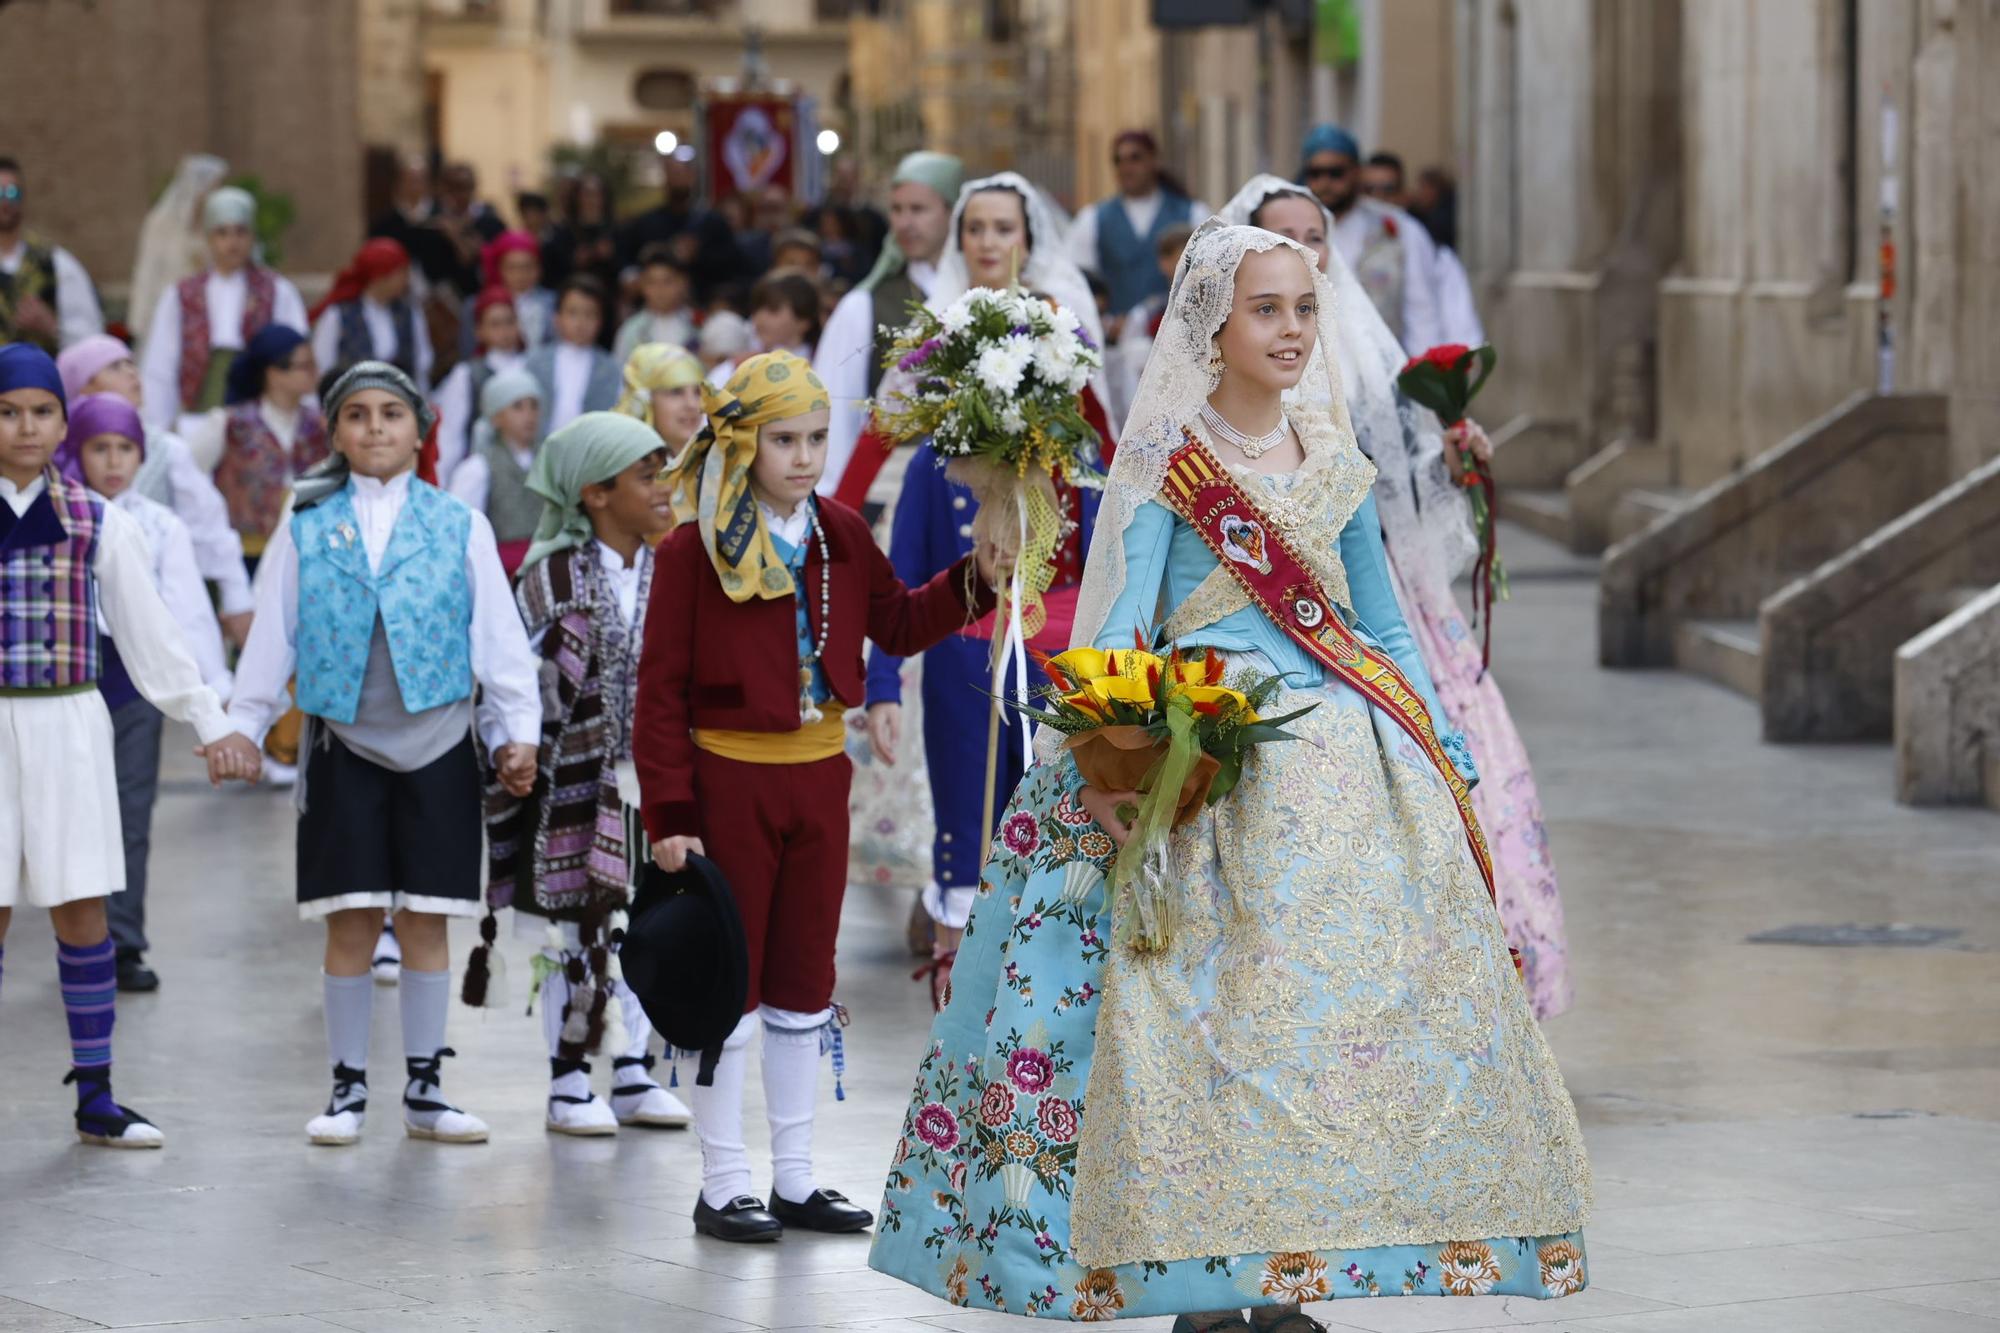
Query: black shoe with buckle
x=743, y=1218
x=133, y=974
x=823, y=1210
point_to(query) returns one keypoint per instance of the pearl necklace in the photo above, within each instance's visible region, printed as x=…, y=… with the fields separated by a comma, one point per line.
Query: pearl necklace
x=1252, y=447
x=809, y=712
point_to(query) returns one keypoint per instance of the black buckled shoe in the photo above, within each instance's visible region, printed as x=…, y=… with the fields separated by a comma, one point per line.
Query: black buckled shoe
x=743, y=1218
x=823, y=1210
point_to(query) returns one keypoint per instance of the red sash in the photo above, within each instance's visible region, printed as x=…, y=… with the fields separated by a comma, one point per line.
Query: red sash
x=1249, y=547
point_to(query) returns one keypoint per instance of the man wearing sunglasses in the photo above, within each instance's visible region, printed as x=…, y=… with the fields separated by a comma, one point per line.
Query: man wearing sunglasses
x=1390, y=252
x=1118, y=240
x=46, y=297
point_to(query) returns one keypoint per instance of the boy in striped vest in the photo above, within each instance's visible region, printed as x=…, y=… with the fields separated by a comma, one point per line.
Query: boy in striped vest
x=68, y=558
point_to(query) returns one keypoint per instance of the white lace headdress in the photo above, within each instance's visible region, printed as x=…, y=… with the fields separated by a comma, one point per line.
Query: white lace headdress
x=169, y=241
x=1178, y=378
x=1048, y=269
x=1427, y=518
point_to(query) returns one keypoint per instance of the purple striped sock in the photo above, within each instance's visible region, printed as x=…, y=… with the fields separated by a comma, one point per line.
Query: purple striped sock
x=89, y=976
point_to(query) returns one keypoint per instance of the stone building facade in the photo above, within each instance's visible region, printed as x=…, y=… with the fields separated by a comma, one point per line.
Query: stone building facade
x=1680, y=215
x=103, y=99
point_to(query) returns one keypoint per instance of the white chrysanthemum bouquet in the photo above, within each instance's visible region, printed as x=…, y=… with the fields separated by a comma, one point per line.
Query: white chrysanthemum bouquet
x=995, y=377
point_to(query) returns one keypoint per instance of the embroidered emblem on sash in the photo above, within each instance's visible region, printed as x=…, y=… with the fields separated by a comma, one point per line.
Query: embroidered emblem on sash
x=1243, y=542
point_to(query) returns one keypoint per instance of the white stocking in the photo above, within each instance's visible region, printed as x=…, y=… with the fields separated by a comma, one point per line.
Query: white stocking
x=718, y=1119
x=791, y=1083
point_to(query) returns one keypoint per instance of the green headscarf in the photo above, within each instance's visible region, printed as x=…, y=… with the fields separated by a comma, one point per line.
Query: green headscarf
x=595, y=447
x=941, y=172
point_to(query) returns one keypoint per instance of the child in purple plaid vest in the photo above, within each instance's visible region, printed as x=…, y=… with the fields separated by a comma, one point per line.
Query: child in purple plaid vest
x=67, y=561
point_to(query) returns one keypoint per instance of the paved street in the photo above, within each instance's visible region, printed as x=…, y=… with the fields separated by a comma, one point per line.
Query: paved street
x=1785, y=1137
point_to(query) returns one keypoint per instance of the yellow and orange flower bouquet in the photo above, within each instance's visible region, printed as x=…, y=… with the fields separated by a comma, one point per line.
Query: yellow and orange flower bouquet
x=1168, y=729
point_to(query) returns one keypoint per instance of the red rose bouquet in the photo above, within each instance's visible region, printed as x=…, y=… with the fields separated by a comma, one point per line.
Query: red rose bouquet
x=1444, y=380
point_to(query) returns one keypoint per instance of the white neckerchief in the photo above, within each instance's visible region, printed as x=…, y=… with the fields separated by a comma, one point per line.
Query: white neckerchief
x=922, y=275
x=377, y=506
x=19, y=498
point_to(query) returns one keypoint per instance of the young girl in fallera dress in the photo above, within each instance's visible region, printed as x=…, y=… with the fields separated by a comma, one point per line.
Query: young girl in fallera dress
x=1330, y=1082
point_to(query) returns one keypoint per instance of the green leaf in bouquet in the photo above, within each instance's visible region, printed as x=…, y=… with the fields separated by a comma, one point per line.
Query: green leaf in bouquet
x=1228, y=773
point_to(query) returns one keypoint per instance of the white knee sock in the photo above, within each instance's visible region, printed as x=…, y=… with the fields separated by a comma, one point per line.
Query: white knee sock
x=425, y=998
x=349, y=1003
x=791, y=1083
x=718, y=1119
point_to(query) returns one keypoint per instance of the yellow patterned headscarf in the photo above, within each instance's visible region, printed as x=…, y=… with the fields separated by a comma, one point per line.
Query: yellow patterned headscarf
x=655, y=368
x=711, y=478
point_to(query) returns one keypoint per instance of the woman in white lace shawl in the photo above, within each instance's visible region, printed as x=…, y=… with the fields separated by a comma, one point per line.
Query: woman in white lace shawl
x=1329, y=1082
x=1427, y=527
x=999, y=224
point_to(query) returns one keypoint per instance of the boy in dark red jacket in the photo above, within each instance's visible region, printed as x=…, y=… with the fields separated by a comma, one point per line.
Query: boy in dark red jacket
x=755, y=626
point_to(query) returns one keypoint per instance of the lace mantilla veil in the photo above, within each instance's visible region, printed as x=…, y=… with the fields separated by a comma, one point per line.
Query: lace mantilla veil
x=1426, y=516
x=1176, y=382
x=170, y=238
x=1048, y=270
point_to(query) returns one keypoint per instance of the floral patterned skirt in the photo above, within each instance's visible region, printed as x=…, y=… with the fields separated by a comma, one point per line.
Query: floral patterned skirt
x=1328, y=1086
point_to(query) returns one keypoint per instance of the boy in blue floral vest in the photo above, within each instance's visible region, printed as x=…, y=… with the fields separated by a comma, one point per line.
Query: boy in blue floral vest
x=71, y=565
x=387, y=597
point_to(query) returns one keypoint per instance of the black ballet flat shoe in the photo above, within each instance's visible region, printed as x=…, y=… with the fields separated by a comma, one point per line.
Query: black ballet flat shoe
x=743, y=1219
x=823, y=1210
x=134, y=975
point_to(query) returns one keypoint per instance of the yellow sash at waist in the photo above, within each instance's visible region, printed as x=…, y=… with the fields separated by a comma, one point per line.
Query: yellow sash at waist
x=809, y=744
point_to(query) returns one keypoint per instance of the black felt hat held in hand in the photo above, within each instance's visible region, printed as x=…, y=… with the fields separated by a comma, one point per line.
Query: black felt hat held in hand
x=685, y=957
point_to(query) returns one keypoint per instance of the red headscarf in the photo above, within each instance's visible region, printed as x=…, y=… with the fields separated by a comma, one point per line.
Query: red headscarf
x=484, y=302
x=506, y=243
x=377, y=259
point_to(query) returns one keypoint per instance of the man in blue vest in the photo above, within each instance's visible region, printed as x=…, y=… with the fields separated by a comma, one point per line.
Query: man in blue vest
x=1118, y=238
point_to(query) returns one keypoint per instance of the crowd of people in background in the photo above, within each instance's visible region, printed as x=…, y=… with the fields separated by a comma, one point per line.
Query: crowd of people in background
x=450, y=292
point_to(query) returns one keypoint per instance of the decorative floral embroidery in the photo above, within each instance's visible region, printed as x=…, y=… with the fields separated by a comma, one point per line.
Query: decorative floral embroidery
x=1295, y=1277
x=1058, y=1120
x=1097, y=1297
x=954, y=1284
x=937, y=1127
x=1562, y=1268
x=1030, y=1070
x=1021, y=834
x=1467, y=1268
x=997, y=1106
x=1362, y=1281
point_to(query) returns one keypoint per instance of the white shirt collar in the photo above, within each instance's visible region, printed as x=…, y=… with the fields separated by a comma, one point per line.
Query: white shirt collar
x=613, y=563
x=571, y=350
x=794, y=526
x=20, y=497
x=923, y=275
x=374, y=489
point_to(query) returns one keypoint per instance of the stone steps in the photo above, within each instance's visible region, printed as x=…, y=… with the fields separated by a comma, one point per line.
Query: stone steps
x=1728, y=652
x=1544, y=511
x=1636, y=509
